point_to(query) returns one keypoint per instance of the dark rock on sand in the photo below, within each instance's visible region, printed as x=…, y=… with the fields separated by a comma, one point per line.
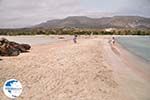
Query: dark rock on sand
x=9, y=48
x=61, y=37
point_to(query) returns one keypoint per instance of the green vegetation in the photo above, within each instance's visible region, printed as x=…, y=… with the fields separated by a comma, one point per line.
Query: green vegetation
x=72, y=31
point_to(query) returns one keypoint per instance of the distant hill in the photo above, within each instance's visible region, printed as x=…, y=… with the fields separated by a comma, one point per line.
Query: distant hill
x=105, y=22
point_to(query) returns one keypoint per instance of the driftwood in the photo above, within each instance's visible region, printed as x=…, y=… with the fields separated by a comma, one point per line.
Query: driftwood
x=10, y=48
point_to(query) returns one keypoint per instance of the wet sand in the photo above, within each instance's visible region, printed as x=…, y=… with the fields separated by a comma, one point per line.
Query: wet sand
x=132, y=73
x=88, y=70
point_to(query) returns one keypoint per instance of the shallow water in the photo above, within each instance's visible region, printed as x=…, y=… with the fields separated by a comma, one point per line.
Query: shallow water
x=38, y=39
x=137, y=45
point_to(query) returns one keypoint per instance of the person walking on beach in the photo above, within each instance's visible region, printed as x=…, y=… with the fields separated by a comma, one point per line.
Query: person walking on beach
x=75, y=38
x=113, y=40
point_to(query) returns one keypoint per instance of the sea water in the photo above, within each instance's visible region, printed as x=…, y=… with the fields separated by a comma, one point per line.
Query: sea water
x=137, y=45
x=37, y=39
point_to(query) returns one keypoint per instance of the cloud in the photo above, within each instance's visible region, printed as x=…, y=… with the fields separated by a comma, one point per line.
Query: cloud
x=136, y=7
x=21, y=13
x=117, y=7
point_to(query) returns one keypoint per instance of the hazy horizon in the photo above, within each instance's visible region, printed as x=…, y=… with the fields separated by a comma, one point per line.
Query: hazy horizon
x=24, y=13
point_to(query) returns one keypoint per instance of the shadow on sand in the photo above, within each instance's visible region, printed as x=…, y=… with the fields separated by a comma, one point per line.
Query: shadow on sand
x=25, y=52
x=14, y=55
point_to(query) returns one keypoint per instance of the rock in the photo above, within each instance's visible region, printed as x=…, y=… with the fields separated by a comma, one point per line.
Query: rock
x=60, y=37
x=26, y=46
x=21, y=47
x=9, y=48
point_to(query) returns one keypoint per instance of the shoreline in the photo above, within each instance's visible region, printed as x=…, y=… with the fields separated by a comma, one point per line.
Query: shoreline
x=38, y=39
x=130, y=76
x=134, y=61
x=137, y=56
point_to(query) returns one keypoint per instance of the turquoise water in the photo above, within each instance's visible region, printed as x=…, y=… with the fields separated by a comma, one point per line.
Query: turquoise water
x=137, y=45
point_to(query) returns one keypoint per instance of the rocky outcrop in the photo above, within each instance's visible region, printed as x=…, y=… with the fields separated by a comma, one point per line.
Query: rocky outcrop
x=10, y=48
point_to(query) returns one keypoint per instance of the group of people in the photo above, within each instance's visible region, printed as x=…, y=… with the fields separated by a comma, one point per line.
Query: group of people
x=112, y=41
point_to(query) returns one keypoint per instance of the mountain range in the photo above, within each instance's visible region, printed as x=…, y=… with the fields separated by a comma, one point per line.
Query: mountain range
x=104, y=22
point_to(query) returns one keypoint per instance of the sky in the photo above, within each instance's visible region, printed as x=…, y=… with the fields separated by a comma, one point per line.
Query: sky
x=25, y=13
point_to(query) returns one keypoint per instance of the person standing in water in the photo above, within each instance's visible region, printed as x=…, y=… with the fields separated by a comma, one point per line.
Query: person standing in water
x=75, y=38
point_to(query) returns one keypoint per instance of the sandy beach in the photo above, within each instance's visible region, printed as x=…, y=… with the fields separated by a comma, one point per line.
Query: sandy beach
x=92, y=69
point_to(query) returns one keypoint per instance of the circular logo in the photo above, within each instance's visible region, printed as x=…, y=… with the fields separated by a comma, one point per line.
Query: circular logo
x=12, y=88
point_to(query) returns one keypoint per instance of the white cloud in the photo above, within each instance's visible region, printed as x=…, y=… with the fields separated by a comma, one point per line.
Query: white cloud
x=20, y=13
